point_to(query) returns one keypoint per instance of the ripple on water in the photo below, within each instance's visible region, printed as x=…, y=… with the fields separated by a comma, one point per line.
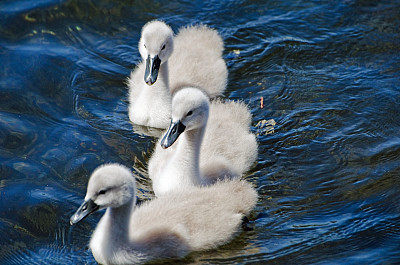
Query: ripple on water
x=41, y=221
x=18, y=134
x=49, y=254
x=328, y=74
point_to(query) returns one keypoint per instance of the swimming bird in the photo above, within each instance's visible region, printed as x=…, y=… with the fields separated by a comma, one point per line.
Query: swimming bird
x=170, y=226
x=227, y=150
x=192, y=57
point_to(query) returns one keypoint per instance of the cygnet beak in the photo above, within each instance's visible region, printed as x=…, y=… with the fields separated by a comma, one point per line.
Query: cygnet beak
x=83, y=211
x=152, y=68
x=174, y=130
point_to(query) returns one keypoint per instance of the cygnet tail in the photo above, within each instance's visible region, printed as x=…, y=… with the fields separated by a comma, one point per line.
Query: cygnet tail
x=241, y=195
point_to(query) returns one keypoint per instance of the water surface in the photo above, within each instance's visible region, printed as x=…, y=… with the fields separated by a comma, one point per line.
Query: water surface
x=328, y=71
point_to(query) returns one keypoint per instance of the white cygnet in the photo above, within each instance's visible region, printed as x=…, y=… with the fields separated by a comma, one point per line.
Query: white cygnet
x=227, y=150
x=192, y=58
x=167, y=227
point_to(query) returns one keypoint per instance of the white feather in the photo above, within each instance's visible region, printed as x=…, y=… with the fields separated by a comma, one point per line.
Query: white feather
x=193, y=57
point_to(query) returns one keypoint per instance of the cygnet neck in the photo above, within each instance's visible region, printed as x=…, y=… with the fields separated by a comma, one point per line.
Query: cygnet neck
x=163, y=73
x=118, y=219
x=111, y=237
x=189, y=154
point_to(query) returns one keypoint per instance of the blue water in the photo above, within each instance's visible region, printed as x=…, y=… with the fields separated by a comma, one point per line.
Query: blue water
x=328, y=71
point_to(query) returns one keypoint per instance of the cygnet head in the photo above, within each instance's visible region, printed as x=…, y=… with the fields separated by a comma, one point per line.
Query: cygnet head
x=190, y=107
x=110, y=185
x=155, y=46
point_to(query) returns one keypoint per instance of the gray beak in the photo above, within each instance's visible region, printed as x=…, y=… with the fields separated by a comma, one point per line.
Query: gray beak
x=83, y=211
x=174, y=130
x=152, y=68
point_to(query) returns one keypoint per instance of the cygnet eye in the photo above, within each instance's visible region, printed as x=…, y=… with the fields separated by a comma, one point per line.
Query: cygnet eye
x=102, y=192
x=163, y=47
x=189, y=113
x=145, y=46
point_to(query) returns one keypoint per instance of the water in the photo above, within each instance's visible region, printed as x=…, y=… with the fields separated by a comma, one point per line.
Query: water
x=328, y=72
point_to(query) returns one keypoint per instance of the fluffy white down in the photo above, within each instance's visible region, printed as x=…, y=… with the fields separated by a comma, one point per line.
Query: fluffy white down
x=227, y=149
x=196, y=218
x=196, y=60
